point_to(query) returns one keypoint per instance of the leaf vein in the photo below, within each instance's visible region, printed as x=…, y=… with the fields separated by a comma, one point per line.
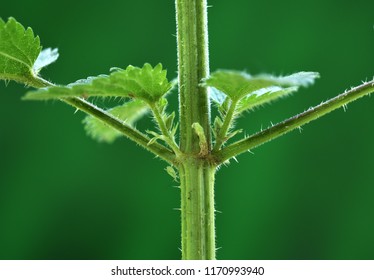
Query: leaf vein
x=14, y=58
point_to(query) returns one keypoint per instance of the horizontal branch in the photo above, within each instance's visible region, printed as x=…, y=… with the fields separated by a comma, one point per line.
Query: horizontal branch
x=131, y=133
x=290, y=124
x=119, y=125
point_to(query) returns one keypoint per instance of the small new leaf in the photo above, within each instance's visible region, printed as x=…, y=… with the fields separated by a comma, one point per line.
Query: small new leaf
x=237, y=85
x=232, y=134
x=202, y=139
x=148, y=84
x=162, y=104
x=169, y=121
x=157, y=136
x=20, y=56
x=171, y=171
x=129, y=113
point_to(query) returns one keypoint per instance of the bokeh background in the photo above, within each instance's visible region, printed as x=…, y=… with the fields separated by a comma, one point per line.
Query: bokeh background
x=306, y=195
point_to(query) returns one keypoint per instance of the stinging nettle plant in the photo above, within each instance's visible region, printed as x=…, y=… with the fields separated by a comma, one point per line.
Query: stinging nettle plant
x=195, y=146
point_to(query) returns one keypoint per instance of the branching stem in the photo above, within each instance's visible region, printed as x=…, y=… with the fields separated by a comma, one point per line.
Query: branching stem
x=131, y=133
x=126, y=130
x=290, y=124
x=193, y=67
x=196, y=174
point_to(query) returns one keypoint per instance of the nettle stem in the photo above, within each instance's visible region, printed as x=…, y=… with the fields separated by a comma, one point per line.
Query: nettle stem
x=195, y=170
x=197, y=207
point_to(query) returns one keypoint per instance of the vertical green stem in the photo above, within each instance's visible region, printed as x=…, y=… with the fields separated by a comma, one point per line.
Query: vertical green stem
x=196, y=172
x=193, y=66
x=197, y=207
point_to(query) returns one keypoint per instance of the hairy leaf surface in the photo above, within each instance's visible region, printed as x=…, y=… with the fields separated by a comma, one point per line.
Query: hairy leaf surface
x=262, y=96
x=20, y=56
x=148, y=84
x=237, y=85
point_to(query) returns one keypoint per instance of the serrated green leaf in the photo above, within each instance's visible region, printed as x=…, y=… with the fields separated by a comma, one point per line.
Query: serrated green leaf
x=78, y=88
x=129, y=113
x=147, y=83
x=237, y=85
x=19, y=50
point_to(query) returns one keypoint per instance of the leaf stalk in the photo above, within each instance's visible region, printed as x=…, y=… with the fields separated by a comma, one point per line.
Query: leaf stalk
x=162, y=125
x=227, y=123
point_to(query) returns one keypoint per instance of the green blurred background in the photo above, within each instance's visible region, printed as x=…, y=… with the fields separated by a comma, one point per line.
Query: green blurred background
x=303, y=196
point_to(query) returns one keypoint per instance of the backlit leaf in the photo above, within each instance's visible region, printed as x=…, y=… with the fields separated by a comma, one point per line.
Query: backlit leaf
x=261, y=96
x=237, y=85
x=20, y=56
x=129, y=113
x=148, y=84
x=46, y=57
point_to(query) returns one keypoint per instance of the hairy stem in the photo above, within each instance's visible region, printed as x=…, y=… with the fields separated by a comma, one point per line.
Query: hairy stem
x=294, y=122
x=197, y=210
x=38, y=82
x=195, y=172
x=193, y=66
